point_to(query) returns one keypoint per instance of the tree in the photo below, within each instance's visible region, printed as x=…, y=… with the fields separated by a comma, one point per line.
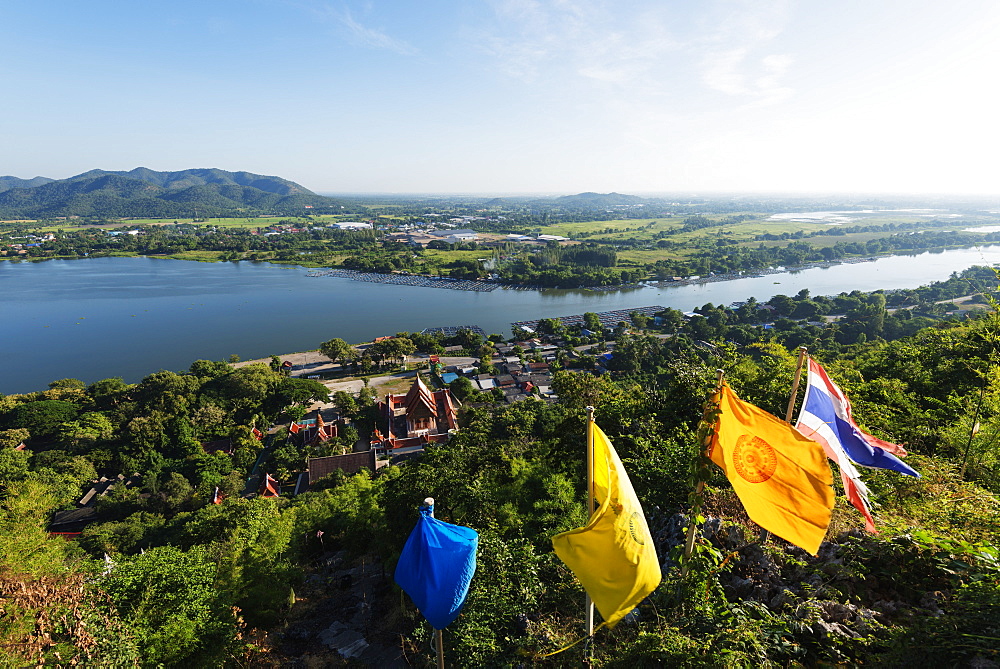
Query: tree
x=87, y=430
x=302, y=391
x=641, y=321
x=551, y=326
x=10, y=439
x=468, y=339
x=42, y=418
x=345, y=402
x=67, y=384
x=335, y=349
x=461, y=388
x=207, y=369
x=168, y=598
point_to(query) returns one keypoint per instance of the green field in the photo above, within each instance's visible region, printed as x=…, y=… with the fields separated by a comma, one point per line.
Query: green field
x=647, y=228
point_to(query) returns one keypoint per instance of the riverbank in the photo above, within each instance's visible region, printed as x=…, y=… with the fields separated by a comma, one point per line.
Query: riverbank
x=488, y=285
x=130, y=316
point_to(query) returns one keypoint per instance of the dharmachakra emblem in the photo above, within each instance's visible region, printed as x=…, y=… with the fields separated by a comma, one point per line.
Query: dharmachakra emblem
x=754, y=459
x=635, y=528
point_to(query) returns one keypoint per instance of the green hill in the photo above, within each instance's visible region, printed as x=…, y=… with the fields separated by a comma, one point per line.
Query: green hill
x=6, y=183
x=205, y=176
x=146, y=193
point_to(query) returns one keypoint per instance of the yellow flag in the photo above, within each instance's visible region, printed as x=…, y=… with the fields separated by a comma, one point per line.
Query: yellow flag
x=781, y=477
x=613, y=556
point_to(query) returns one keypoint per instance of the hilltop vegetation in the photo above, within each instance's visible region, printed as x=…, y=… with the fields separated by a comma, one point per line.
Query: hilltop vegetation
x=250, y=582
x=146, y=193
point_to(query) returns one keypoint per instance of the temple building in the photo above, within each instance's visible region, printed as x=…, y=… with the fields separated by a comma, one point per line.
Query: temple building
x=316, y=431
x=418, y=417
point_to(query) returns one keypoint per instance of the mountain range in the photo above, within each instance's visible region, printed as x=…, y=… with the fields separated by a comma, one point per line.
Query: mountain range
x=147, y=193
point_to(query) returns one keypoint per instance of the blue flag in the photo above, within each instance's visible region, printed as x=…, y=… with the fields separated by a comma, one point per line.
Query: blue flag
x=436, y=566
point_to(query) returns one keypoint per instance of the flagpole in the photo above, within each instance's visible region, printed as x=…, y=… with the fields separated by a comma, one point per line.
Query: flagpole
x=439, y=637
x=700, y=486
x=795, y=385
x=588, y=602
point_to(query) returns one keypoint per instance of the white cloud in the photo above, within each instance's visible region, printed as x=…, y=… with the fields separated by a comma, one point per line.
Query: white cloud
x=353, y=29
x=647, y=52
x=369, y=36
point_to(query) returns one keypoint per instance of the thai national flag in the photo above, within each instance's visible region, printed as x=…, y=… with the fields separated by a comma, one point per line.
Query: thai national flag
x=826, y=418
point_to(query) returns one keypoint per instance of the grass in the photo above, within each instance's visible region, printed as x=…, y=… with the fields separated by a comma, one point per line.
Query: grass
x=745, y=231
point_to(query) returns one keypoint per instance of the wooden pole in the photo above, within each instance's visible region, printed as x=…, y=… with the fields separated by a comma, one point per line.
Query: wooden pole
x=795, y=385
x=438, y=636
x=700, y=487
x=589, y=604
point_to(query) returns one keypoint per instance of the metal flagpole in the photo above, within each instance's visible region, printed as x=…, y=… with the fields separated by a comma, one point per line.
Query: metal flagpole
x=795, y=384
x=700, y=486
x=589, y=604
x=438, y=636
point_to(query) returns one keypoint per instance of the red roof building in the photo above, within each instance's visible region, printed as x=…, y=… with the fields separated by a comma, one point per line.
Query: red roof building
x=420, y=416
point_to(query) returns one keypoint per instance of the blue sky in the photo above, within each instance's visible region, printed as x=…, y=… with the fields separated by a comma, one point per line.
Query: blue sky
x=553, y=96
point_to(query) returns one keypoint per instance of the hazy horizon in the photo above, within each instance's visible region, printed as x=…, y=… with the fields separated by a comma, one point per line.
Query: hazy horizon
x=513, y=96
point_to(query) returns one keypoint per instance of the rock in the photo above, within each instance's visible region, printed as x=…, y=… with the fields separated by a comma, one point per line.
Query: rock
x=383, y=657
x=833, y=629
x=327, y=636
x=349, y=644
x=980, y=662
x=836, y=612
x=297, y=634
x=785, y=597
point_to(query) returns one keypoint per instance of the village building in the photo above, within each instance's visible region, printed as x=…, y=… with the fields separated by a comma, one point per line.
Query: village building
x=456, y=236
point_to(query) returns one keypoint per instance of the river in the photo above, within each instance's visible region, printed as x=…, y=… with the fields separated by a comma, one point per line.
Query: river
x=96, y=318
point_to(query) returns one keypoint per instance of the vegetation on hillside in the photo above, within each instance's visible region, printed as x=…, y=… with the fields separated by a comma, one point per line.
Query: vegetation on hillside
x=190, y=583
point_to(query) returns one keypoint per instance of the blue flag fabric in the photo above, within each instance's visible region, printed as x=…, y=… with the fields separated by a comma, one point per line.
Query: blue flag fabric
x=436, y=566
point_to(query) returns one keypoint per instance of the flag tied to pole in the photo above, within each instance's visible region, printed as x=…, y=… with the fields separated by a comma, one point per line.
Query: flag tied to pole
x=436, y=566
x=613, y=555
x=780, y=476
x=826, y=417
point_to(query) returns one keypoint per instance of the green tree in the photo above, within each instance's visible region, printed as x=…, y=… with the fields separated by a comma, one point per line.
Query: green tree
x=169, y=600
x=345, y=402
x=335, y=349
x=43, y=418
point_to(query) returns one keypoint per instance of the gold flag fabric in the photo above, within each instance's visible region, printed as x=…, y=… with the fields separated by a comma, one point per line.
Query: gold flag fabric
x=781, y=477
x=613, y=555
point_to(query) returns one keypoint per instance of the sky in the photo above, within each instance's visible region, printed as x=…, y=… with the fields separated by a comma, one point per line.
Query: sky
x=512, y=96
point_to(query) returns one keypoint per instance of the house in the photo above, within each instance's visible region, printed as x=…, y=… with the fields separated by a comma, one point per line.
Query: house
x=70, y=523
x=351, y=225
x=485, y=383
x=456, y=236
x=418, y=417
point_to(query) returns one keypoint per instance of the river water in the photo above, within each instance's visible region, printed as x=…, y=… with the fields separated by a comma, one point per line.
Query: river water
x=96, y=318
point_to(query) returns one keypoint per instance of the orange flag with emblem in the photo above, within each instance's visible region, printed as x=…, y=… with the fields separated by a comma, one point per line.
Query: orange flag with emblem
x=781, y=477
